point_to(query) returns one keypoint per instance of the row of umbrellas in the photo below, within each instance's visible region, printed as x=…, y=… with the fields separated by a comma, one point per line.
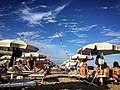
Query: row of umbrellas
x=88, y=51
x=77, y=58
x=26, y=55
x=17, y=47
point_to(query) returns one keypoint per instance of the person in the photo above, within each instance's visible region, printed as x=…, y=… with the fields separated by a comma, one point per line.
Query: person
x=99, y=57
x=103, y=70
x=67, y=68
x=116, y=70
x=106, y=69
x=83, y=71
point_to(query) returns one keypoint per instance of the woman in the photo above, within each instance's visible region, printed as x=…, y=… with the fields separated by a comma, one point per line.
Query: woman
x=116, y=70
x=103, y=69
x=106, y=69
x=83, y=71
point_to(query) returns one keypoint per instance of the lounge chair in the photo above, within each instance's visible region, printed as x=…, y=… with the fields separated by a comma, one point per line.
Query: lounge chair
x=38, y=75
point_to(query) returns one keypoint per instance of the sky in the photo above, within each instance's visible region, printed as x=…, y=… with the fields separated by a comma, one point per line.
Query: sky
x=60, y=27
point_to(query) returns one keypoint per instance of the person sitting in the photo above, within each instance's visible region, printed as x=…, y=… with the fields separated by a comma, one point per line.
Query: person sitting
x=106, y=69
x=83, y=71
x=116, y=71
x=102, y=70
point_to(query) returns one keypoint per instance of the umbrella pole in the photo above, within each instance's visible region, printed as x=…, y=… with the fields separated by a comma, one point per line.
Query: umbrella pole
x=34, y=67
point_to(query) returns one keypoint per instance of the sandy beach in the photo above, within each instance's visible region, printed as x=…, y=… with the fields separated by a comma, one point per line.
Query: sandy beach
x=60, y=81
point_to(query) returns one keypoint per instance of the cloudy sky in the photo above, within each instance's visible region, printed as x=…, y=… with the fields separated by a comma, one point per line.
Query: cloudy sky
x=60, y=27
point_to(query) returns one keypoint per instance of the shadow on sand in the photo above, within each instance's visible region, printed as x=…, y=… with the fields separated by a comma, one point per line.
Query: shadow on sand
x=70, y=86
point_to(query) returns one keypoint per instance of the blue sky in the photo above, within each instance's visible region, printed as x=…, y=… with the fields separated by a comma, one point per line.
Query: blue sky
x=60, y=27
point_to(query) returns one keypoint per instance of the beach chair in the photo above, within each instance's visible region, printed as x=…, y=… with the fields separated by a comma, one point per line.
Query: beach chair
x=26, y=71
x=40, y=72
x=75, y=74
x=37, y=77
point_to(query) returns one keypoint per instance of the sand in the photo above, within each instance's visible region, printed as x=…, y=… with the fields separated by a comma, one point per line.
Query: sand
x=59, y=81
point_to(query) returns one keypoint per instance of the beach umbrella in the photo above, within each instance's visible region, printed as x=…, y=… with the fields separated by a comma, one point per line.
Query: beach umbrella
x=105, y=48
x=8, y=44
x=69, y=60
x=16, y=46
x=5, y=44
x=100, y=49
x=4, y=53
x=80, y=57
x=18, y=59
x=5, y=57
x=24, y=46
x=33, y=54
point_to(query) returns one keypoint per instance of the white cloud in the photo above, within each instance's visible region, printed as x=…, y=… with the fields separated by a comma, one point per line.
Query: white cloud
x=57, y=35
x=29, y=35
x=77, y=41
x=43, y=6
x=4, y=27
x=53, y=52
x=104, y=8
x=87, y=28
x=112, y=33
x=114, y=41
x=81, y=35
x=36, y=18
x=76, y=28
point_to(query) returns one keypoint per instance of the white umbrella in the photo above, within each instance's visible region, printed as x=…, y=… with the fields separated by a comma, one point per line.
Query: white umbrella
x=33, y=54
x=80, y=57
x=5, y=52
x=7, y=44
x=5, y=57
x=23, y=46
x=17, y=46
x=106, y=48
x=30, y=54
x=69, y=60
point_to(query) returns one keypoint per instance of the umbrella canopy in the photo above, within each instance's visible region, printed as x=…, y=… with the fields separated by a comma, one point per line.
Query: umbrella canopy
x=5, y=52
x=80, y=57
x=106, y=48
x=69, y=61
x=8, y=43
x=33, y=54
x=16, y=46
x=18, y=59
x=5, y=44
x=23, y=46
x=5, y=57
